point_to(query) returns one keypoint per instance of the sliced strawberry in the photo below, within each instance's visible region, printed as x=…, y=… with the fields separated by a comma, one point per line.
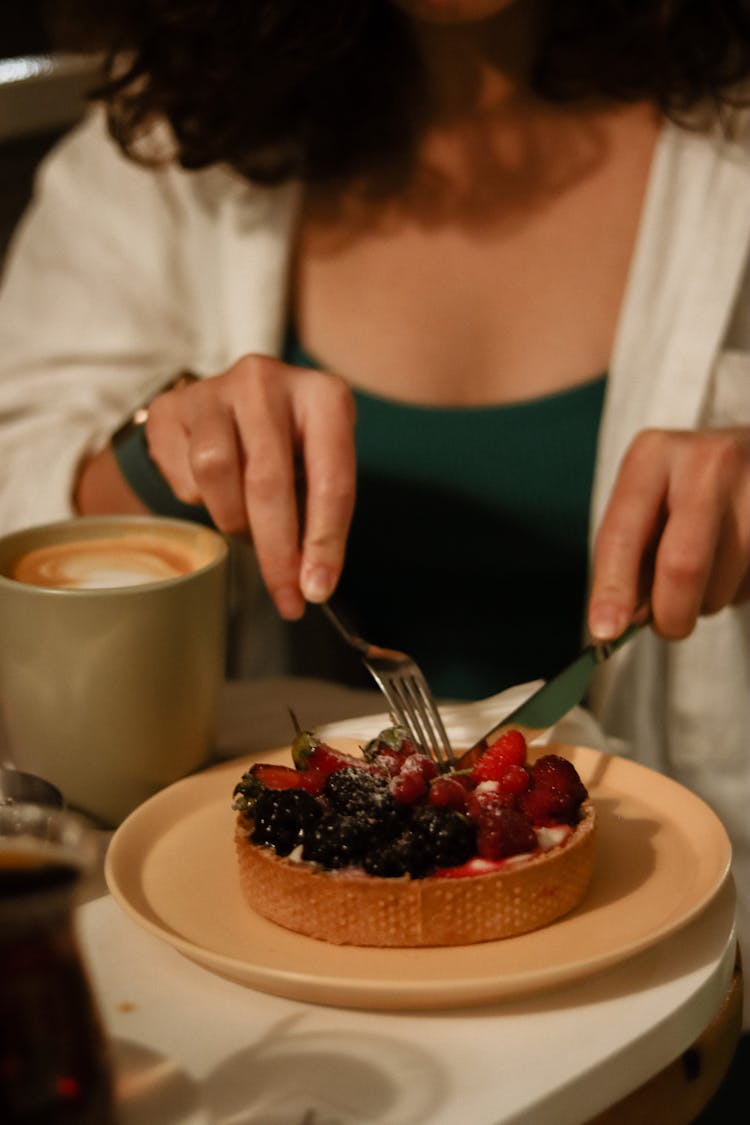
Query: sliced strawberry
x=275, y=777
x=312, y=780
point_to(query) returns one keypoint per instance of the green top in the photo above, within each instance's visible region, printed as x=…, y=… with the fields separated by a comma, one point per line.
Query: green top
x=468, y=544
x=468, y=547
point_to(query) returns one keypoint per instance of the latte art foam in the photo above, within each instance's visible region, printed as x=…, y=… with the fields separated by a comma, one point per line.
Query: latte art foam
x=102, y=564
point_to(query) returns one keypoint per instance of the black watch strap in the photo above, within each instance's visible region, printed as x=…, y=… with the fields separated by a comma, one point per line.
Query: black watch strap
x=144, y=477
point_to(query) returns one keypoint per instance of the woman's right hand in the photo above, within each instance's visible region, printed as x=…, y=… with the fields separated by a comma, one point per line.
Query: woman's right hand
x=241, y=443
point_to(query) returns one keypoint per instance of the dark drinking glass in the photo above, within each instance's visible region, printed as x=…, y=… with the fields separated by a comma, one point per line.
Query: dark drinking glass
x=54, y=1066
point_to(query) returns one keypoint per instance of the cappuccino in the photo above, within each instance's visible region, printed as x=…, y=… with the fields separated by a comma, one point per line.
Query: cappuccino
x=112, y=655
x=104, y=563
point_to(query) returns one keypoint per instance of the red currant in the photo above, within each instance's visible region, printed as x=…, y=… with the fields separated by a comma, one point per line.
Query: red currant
x=448, y=793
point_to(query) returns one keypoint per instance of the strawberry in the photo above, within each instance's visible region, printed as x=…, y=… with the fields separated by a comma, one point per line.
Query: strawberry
x=508, y=750
x=275, y=777
x=312, y=780
x=258, y=779
x=310, y=754
x=327, y=760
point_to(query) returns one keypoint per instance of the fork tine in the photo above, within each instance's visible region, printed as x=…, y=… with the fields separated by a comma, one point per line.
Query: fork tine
x=420, y=715
x=413, y=708
x=399, y=714
x=406, y=690
x=437, y=741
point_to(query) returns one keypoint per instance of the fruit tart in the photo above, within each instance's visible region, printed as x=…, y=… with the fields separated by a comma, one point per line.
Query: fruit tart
x=383, y=849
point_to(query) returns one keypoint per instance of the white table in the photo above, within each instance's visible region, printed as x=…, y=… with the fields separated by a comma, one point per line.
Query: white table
x=192, y=1047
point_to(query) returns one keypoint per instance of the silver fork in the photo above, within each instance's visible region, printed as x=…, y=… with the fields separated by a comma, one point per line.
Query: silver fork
x=409, y=697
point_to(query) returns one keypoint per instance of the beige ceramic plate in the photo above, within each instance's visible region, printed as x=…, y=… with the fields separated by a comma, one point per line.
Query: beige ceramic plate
x=662, y=856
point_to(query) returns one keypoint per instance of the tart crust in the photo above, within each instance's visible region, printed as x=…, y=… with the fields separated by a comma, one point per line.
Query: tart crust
x=348, y=907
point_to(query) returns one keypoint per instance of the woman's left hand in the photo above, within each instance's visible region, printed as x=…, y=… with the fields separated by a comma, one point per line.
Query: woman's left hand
x=676, y=532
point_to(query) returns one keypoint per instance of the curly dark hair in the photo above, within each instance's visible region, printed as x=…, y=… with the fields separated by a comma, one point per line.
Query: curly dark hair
x=331, y=89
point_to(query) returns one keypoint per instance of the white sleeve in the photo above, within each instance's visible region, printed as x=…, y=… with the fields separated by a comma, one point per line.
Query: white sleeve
x=94, y=315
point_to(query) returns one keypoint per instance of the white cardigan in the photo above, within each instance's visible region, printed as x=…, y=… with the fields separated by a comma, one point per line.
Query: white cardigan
x=190, y=271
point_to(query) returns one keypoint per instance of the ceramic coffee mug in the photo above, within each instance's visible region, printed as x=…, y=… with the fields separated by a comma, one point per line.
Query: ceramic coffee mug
x=112, y=654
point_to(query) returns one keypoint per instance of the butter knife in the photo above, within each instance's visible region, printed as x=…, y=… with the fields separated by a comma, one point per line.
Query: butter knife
x=554, y=698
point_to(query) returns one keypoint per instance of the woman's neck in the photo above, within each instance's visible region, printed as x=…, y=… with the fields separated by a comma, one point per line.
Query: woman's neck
x=476, y=68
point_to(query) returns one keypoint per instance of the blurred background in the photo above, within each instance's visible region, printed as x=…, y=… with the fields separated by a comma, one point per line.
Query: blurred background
x=41, y=96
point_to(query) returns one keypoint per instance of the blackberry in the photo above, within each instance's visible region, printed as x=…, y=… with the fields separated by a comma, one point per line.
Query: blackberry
x=390, y=818
x=407, y=855
x=433, y=837
x=355, y=792
x=282, y=817
x=337, y=841
x=418, y=858
x=356, y=821
x=449, y=837
x=246, y=793
x=386, y=861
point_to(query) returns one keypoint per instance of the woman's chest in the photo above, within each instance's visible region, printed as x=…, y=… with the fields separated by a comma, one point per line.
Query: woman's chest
x=463, y=304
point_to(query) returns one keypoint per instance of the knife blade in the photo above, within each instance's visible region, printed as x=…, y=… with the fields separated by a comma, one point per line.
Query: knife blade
x=553, y=699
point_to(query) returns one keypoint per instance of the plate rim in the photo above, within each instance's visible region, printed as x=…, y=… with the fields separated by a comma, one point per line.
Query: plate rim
x=397, y=992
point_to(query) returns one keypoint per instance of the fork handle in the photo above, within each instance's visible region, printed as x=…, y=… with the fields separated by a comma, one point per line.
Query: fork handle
x=351, y=638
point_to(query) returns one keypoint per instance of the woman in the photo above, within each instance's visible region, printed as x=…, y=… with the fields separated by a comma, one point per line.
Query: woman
x=511, y=239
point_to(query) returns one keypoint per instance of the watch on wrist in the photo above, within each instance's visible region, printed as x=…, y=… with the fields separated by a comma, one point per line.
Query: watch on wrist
x=130, y=447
